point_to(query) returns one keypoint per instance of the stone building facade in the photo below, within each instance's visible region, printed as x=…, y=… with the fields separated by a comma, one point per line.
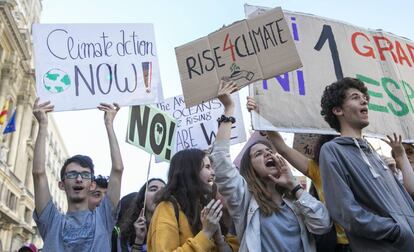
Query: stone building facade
x=17, y=84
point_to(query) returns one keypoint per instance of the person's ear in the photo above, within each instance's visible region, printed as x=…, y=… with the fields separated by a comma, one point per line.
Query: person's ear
x=61, y=185
x=337, y=111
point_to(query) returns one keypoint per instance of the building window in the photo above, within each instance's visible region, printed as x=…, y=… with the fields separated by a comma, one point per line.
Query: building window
x=28, y=215
x=11, y=202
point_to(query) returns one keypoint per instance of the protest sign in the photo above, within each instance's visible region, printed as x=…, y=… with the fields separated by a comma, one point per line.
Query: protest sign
x=197, y=125
x=152, y=130
x=305, y=143
x=80, y=65
x=246, y=51
x=331, y=50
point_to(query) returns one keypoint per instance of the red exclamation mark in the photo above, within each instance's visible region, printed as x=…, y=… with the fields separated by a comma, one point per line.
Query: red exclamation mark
x=147, y=74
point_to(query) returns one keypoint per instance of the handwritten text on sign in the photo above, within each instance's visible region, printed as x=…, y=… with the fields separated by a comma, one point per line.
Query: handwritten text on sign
x=197, y=125
x=331, y=50
x=152, y=130
x=80, y=65
x=246, y=51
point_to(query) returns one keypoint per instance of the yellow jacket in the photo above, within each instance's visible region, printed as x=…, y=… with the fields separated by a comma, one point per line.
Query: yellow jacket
x=165, y=234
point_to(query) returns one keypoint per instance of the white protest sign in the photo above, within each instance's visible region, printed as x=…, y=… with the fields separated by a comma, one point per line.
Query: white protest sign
x=331, y=50
x=152, y=130
x=197, y=125
x=245, y=51
x=80, y=65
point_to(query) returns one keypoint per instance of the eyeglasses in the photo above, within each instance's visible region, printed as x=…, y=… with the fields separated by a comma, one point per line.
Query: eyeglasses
x=75, y=174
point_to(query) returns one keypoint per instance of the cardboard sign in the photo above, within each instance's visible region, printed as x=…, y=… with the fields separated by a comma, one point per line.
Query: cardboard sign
x=80, y=65
x=305, y=143
x=197, y=126
x=331, y=50
x=152, y=130
x=246, y=51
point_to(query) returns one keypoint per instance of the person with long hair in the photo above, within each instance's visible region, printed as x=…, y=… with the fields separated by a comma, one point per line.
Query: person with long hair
x=270, y=210
x=335, y=240
x=186, y=217
x=133, y=220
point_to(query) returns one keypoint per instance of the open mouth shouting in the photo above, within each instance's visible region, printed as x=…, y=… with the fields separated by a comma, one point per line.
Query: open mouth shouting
x=210, y=181
x=364, y=111
x=78, y=188
x=270, y=163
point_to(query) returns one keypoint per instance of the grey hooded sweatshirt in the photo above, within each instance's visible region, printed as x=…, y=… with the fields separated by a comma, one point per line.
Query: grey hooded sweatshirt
x=364, y=197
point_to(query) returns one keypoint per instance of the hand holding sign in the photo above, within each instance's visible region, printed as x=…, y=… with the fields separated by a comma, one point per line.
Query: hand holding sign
x=224, y=94
x=40, y=110
x=110, y=111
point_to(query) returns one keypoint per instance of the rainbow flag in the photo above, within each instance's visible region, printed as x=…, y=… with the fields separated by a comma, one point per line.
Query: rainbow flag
x=4, y=112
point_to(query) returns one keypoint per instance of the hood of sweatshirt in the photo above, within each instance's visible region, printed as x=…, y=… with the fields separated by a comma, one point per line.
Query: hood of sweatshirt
x=364, y=148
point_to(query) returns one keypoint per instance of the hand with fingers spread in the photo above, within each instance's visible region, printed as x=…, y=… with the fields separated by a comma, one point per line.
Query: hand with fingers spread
x=285, y=177
x=40, y=111
x=251, y=104
x=210, y=217
x=224, y=93
x=110, y=111
x=390, y=162
x=140, y=226
x=396, y=144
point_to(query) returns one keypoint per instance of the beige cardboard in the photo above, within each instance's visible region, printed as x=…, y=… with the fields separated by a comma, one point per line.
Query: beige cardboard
x=305, y=143
x=245, y=69
x=291, y=102
x=283, y=56
x=246, y=51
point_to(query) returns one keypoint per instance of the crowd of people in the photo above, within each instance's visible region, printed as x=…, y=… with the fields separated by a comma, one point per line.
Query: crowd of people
x=360, y=202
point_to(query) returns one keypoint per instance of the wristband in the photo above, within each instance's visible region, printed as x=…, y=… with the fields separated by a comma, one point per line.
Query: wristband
x=295, y=190
x=224, y=118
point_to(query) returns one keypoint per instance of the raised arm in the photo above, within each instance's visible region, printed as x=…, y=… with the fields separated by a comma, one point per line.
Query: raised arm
x=231, y=184
x=294, y=157
x=227, y=88
x=114, y=185
x=402, y=162
x=41, y=185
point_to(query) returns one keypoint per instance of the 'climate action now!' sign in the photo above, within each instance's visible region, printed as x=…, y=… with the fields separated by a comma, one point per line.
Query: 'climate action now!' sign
x=80, y=65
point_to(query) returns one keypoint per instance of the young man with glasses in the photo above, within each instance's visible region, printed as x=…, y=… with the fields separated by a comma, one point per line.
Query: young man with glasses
x=361, y=192
x=80, y=229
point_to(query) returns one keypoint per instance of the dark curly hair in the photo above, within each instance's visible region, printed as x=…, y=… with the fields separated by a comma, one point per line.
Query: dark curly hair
x=334, y=96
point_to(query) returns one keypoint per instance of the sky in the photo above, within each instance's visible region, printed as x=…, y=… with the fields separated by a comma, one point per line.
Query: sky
x=176, y=23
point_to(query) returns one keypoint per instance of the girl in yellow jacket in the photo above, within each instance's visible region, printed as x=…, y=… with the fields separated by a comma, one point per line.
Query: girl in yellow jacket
x=180, y=222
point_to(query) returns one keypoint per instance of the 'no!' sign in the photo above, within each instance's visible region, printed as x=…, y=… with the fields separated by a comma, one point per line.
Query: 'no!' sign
x=151, y=129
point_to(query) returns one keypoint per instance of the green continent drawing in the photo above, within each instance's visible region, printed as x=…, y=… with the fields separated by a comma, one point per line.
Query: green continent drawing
x=56, y=81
